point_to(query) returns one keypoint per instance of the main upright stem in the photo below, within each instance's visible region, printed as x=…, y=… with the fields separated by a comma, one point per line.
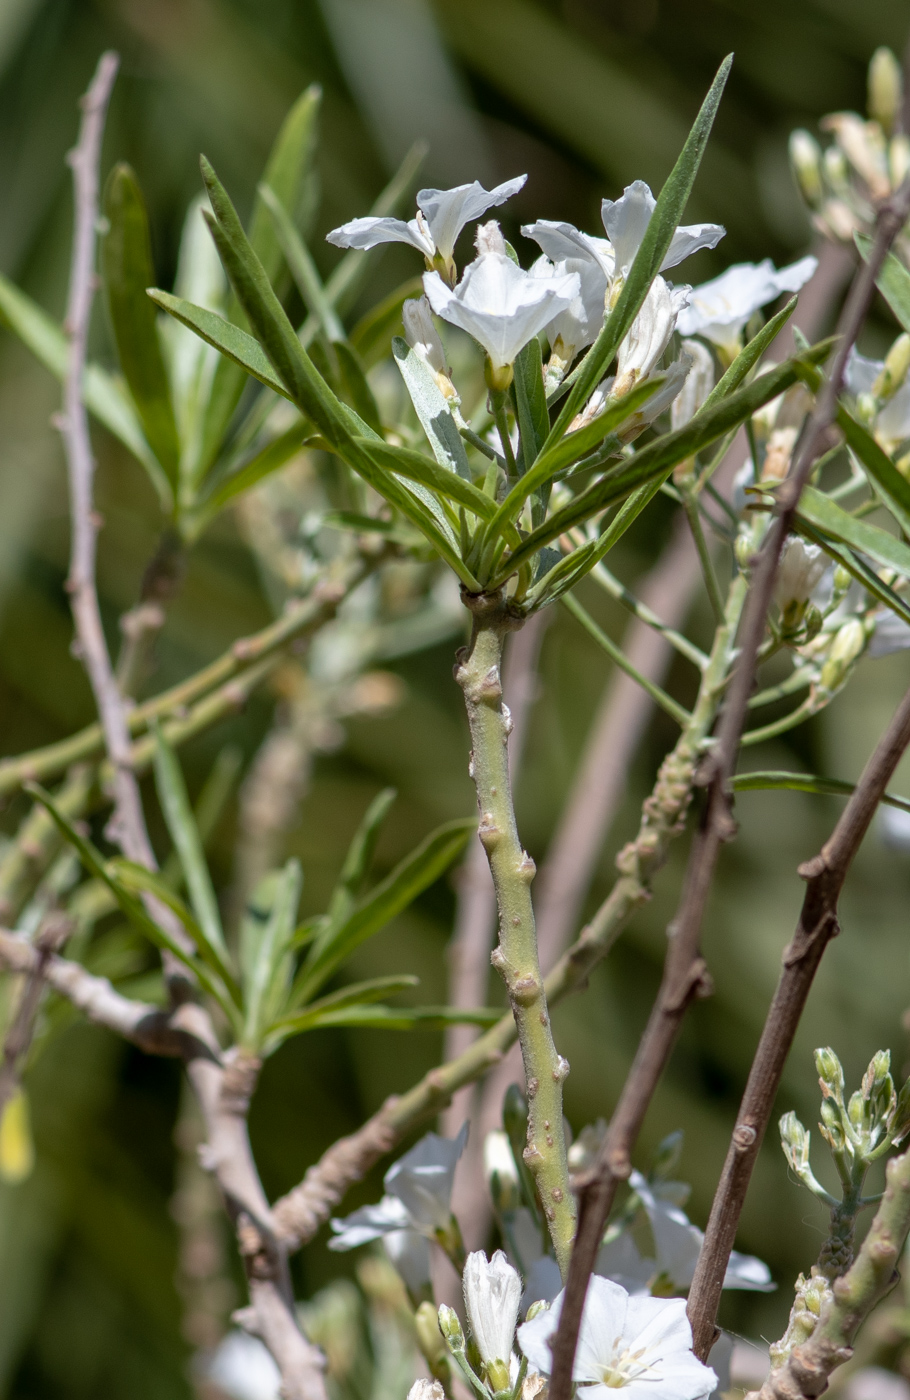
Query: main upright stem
x=479, y=674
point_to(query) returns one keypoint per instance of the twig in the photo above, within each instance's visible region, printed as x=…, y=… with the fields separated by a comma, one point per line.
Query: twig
x=223, y=1084
x=19, y=1036
x=37, y=841
x=472, y=941
x=818, y=924
x=804, y=1374
x=300, y=620
x=685, y=974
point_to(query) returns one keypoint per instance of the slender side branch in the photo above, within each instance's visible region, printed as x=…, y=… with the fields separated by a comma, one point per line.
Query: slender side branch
x=804, y=1374
x=685, y=973
x=301, y=619
x=19, y=1036
x=825, y=876
x=478, y=674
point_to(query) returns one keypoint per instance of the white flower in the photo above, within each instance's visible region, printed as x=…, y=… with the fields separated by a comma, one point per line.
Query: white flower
x=242, y=1367
x=499, y=304
x=492, y=1293
x=891, y=634
x=800, y=569
x=422, y=335
x=424, y=1389
x=409, y=1251
x=678, y=1243
x=642, y=1346
x=569, y=250
x=649, y=334
x=698, y=385
x=626, y=222
x=418, y=1195
x=441, y=215
x=720, y=308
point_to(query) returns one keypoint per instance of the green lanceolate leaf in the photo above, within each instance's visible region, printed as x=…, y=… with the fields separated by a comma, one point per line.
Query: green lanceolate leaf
x=807, y=782
x=392, y=1018
x=263, y=463
x=286, y=174
x=267, y=316
x=132, y=907
x=181, y=823
x=432, y=408
x=359, y=858
x=409, y=879
x=838, y=524
x=654, y=246
x=440, y=480
x=888, y=483
x=267, y=951
x=126, y=261
x=893, y=281
x=236, y=344
x=355, y=994
x=105, y=397
x=530, y=404
x=654, y=463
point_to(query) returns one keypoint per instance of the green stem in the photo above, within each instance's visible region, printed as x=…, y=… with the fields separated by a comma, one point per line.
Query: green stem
x=617, y=655
x=690, y=506
x=478, y=674
x=611, y=585
x=498, y=403
x=780, y=726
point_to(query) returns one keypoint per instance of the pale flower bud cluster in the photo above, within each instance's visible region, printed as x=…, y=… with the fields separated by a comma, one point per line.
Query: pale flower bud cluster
x=866, y=162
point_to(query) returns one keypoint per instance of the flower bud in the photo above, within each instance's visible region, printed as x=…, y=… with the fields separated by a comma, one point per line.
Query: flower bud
x=830, y=1074
x=899, y=159
x=423, y=1389
x=848, y=643
x=886, y=89
x=492, y=1295
x=900, y=1119
x=543, y=1306
x=794, y=1139
x=894, y=370
x=744, y=549
x=501, y=1172
x=842, y=579
x=831, y=1126
x=800, y=569
x=450, y=1328
x=806, y=159
x=489, y=239
x=431, y=1344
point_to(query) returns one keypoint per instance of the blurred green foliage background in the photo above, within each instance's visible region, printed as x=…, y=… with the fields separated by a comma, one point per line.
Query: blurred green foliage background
x=584, y=95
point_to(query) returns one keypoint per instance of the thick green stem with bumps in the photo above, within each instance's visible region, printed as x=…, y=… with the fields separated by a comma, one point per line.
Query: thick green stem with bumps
x=479, y=674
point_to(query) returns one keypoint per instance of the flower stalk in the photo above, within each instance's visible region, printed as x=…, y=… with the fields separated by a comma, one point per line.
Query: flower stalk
x=479, y=674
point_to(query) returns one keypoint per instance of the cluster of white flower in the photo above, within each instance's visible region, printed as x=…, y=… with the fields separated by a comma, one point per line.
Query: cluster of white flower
x=567, y=292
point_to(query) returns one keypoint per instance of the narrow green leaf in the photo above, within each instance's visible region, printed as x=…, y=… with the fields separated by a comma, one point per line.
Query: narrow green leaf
x=372, y=335
x=136, y=879
x=133, y=908
x=126, y=262
x=267, y=958
x=267, y=316
x=360, y=993
x=807, y=782
x=530, y=404
x=178, y=815
x=303, y=269
x=356, y=386
x=655, y=462
x=893, y=281
x=887, y=481
x=105, y=397
x=667, y=215
x=819, y=510
x=400, y=888
x=270, y=458
x=359, y=857
x=286, y=174
x=390, y=1018
x=441, y=480
x=432, y=408
x=236, y=344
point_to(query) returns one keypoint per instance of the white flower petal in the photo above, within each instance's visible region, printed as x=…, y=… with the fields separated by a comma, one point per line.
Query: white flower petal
x=649, y=335
x=720, y=308
x=422, y=1179
x=861, y=373
x=698, y=384
x=620, y=1261
x=243, y=1368
x=369, y=232
x=688, y=239
x=626, y=221
x=562, y=242
x=659, y=1323
x=534, y=1337
x=447, y=211
x=369, y=1223
x=603, y=1320
x=499, y=304
x=748, y=1272
x=409, y=1251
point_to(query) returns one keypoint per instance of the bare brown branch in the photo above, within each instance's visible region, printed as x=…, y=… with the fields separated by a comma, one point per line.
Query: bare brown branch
x=825, y=875
x=685, y=974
